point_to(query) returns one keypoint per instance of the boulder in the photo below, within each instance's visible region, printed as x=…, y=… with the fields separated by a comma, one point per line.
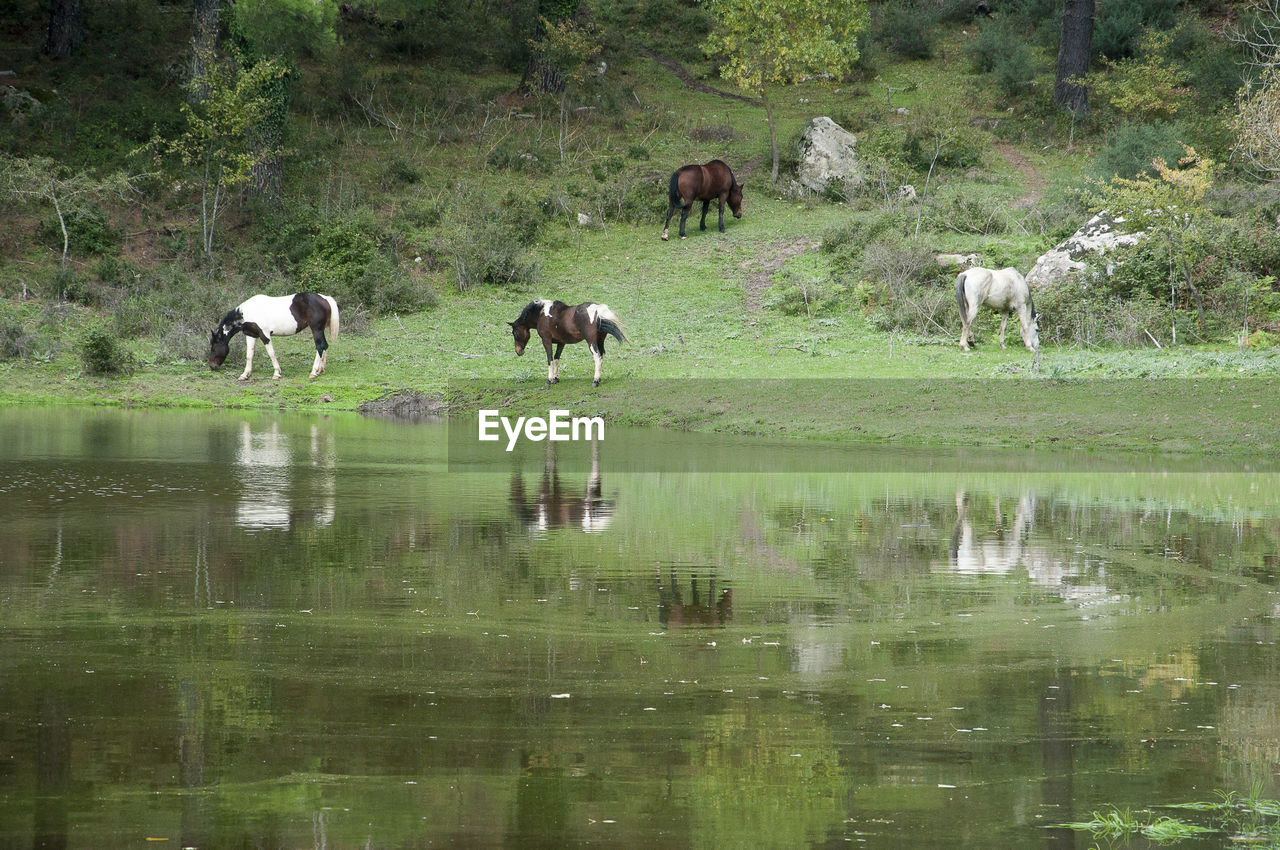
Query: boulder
x=1090, y=243
x=828, y=153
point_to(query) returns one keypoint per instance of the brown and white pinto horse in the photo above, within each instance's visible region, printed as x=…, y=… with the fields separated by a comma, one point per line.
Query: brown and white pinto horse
x=691, y=183
x=559, y=324
x=265, y=316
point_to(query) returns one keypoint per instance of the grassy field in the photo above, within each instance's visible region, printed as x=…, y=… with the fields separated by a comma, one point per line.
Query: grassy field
x=706, y=351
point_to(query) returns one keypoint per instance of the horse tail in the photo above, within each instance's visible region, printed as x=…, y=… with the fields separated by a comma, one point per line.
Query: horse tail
x=673, y=190
x=607, y=322
x=961, y=300
x=1031, y=304
x=334, y=321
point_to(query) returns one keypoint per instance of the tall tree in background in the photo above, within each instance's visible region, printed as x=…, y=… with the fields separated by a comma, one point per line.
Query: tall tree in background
x=204, y=42
x=1069, y=91
x=542, y=74
x=66, y=28
x=768, y=43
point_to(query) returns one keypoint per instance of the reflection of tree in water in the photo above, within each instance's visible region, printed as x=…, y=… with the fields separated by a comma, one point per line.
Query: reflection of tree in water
x=765, y=780
x=676, y=612
x=556, y=506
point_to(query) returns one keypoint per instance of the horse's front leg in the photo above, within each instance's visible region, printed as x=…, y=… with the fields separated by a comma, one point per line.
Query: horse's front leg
x=705, y=205
x=1004, y=320
x=271, y=352
x=322, y=353
x=553, y=366
x=721, y=203
x=248, y=357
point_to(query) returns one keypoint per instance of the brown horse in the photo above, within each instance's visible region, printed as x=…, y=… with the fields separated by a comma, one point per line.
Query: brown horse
x=559, y=324
x=702, y=183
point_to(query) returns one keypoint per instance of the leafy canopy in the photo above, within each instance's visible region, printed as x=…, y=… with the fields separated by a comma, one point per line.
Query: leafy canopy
x=778, y=42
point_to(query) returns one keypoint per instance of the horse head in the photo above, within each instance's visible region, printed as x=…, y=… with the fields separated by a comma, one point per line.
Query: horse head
x=735, y=199
x=219, y=345
x=521, y=335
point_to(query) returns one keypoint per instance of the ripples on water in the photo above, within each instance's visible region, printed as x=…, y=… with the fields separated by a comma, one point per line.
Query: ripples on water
x=282, y=631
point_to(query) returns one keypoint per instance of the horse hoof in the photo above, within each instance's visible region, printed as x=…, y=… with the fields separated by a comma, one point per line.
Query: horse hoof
x=664, y=237
x=595, y=383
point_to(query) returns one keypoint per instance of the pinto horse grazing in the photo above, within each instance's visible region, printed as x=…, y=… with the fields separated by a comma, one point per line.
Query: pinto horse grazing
x=1005, y=291
x=265, y=316
x=559, y=324
x=702, y=183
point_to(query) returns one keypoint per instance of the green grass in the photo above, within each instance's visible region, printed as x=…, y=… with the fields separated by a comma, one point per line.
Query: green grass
x=696, y=310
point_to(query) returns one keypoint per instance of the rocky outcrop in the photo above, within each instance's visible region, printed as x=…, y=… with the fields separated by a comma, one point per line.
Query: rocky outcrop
x=1088, y=245
x=828, y=153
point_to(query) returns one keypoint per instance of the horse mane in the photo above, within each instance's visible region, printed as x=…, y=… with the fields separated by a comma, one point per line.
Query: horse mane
x=529, y=315
x=234, y=319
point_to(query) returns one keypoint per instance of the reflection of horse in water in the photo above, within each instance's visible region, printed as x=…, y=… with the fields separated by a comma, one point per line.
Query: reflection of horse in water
x=288, y=480
x=555, y=506
x=996, y=556
x=675, y=613
x=1010, y=550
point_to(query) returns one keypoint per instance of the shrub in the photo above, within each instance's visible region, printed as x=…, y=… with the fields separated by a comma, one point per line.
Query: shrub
x=15, y=342
x=102, y=354
x=797, y=293
x=1130, y=148
x=88, y=231
x=906, y=31
x=968, y=212
x=488, y=244
x=910, y=293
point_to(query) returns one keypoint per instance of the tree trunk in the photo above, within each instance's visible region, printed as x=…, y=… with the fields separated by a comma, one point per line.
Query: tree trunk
x=1069, y=91
x=66, y=28
x=204, y=43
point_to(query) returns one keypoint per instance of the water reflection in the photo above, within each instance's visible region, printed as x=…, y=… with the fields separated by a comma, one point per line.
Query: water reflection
x=555, y=505
x=270, y=499
x=733, y=660
x=997, y=548
x=676, y=611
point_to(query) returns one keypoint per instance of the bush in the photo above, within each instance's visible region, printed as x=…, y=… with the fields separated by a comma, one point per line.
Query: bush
x=1118, y=26
x=910, y=293
x=89, y=232
x=102, y=354
x=905, y=30
x=1080, y=312
x=797, y=293
x=15, y=342
x=1130, y=148
x=488, y=244
x=851, y=238
x=967, y=212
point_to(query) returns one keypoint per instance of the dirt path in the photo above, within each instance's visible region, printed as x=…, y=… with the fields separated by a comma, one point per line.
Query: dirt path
x=1031, y=177
x=758, y=281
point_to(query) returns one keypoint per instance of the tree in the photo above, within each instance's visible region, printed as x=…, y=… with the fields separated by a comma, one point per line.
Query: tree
x=1069, y=91
x=1257, y=125
x=39, y=178
x=1170, y=208
x=219, y=138
x=767, y=43
x=1146, y=86
x=66, y=28
x=564, y=50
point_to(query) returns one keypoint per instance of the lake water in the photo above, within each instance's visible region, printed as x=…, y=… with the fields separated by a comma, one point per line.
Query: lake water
x=259, y=630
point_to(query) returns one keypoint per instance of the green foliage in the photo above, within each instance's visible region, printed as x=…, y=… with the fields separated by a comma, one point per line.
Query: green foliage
x=102, y=354
x=71, y=194
x=1131, y=148
x=1118, y=27
x=904, y=30
x=288, y=29
x=227, y=104
x=88, y=228
x=488, y=243
x=15, y=342
x=796, y=292
x=1147, y=86
x=776, y=42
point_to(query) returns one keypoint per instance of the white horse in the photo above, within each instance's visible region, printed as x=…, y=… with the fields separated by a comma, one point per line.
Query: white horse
x=265, y=316
x=1005, y=291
